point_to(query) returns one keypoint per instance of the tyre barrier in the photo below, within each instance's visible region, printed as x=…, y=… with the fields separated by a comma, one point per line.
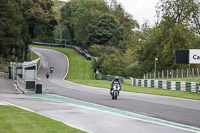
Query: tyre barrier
x=164, y=84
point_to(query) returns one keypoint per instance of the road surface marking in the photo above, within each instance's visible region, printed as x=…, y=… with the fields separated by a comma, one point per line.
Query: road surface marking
x=3, y=103
x=6, y=103
x=116, y=111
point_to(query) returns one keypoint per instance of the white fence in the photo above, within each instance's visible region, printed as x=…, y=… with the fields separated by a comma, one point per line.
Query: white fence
x=4, y=75
x=178, y=73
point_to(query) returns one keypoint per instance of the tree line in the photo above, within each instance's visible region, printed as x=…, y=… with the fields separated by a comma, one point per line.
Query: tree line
x=103, y=27
x=123, y=46
x=22, y=21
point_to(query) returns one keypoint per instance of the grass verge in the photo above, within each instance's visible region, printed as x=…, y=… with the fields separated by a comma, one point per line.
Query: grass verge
x=129, y=88
x=16, y=120
x=35, y=56
x=190, y=79
x=81, y=67
x=4, y=67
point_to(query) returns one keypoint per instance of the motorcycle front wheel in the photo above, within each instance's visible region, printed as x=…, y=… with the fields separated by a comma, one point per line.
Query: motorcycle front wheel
x=115, y=95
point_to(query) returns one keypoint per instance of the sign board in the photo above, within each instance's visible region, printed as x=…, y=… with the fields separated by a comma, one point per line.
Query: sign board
x=182, y=56
x=194, y=56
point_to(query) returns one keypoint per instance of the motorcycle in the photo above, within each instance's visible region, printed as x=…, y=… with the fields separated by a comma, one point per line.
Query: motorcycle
x=47, y=75
x=115, y=91
x=51, y=69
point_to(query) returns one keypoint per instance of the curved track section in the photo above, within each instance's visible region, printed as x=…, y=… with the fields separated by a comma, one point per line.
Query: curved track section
x=176, y=110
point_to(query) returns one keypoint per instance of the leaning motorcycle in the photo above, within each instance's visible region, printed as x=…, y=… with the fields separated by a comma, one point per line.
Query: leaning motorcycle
x=115, y=91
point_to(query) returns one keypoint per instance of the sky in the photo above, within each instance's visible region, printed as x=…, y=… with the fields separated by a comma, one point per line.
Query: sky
x=141, y=10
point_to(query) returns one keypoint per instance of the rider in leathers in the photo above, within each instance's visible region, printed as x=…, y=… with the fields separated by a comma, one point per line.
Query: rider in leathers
x=115, y=81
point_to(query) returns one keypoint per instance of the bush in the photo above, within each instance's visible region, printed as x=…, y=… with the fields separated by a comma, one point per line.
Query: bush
x=96, y=50
x=132, y=70
x=111, y=64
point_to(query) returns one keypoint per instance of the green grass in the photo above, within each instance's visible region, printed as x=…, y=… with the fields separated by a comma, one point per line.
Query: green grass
x=190, y=79
x=35, y=56
x=4, y=67
x=16, y=120
x=80, y=72
x=79, y=67
x=129, y=88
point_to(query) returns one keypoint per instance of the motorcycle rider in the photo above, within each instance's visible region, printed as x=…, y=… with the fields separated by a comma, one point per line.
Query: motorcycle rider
x=47, y=75
x=115, y=81
x=51, y=69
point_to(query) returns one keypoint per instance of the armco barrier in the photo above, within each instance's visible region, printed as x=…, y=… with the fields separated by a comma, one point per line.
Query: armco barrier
x=164, y=84
x=78, y=49
x=81, y=51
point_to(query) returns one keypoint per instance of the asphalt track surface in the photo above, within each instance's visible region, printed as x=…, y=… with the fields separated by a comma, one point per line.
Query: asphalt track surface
x=176, y=110
x=172, y=109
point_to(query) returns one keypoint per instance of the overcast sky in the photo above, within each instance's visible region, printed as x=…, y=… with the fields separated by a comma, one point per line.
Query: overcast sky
x=141, y=10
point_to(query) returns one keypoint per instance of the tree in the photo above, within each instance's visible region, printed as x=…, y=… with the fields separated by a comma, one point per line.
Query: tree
x=161, y=42
x=178, y=28
x=124, y=18
x=10, y=28
x=66, y=20
x=126, y=21
x=58, y=6
x=78, y=14
x=105, y=31
x=111, y=65
x=185, y=12
x=38, y=21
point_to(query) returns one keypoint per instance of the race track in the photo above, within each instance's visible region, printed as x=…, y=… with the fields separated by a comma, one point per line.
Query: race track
x=102, y=114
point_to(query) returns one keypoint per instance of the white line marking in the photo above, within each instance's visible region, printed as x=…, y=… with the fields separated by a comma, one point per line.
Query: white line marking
x=68, y=124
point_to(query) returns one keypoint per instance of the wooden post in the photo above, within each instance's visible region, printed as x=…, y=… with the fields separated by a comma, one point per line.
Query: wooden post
x=176, y=73
x=172, y=74
x=192, y=72
x=182, y=72
x=162, y=74
x=167, y=74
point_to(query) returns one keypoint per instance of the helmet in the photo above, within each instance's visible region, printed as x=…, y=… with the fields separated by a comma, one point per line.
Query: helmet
x=116, y=77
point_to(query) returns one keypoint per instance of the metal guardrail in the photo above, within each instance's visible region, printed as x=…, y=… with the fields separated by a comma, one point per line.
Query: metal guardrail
x=4, y=75
x=78, y=49
x=81, y=51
